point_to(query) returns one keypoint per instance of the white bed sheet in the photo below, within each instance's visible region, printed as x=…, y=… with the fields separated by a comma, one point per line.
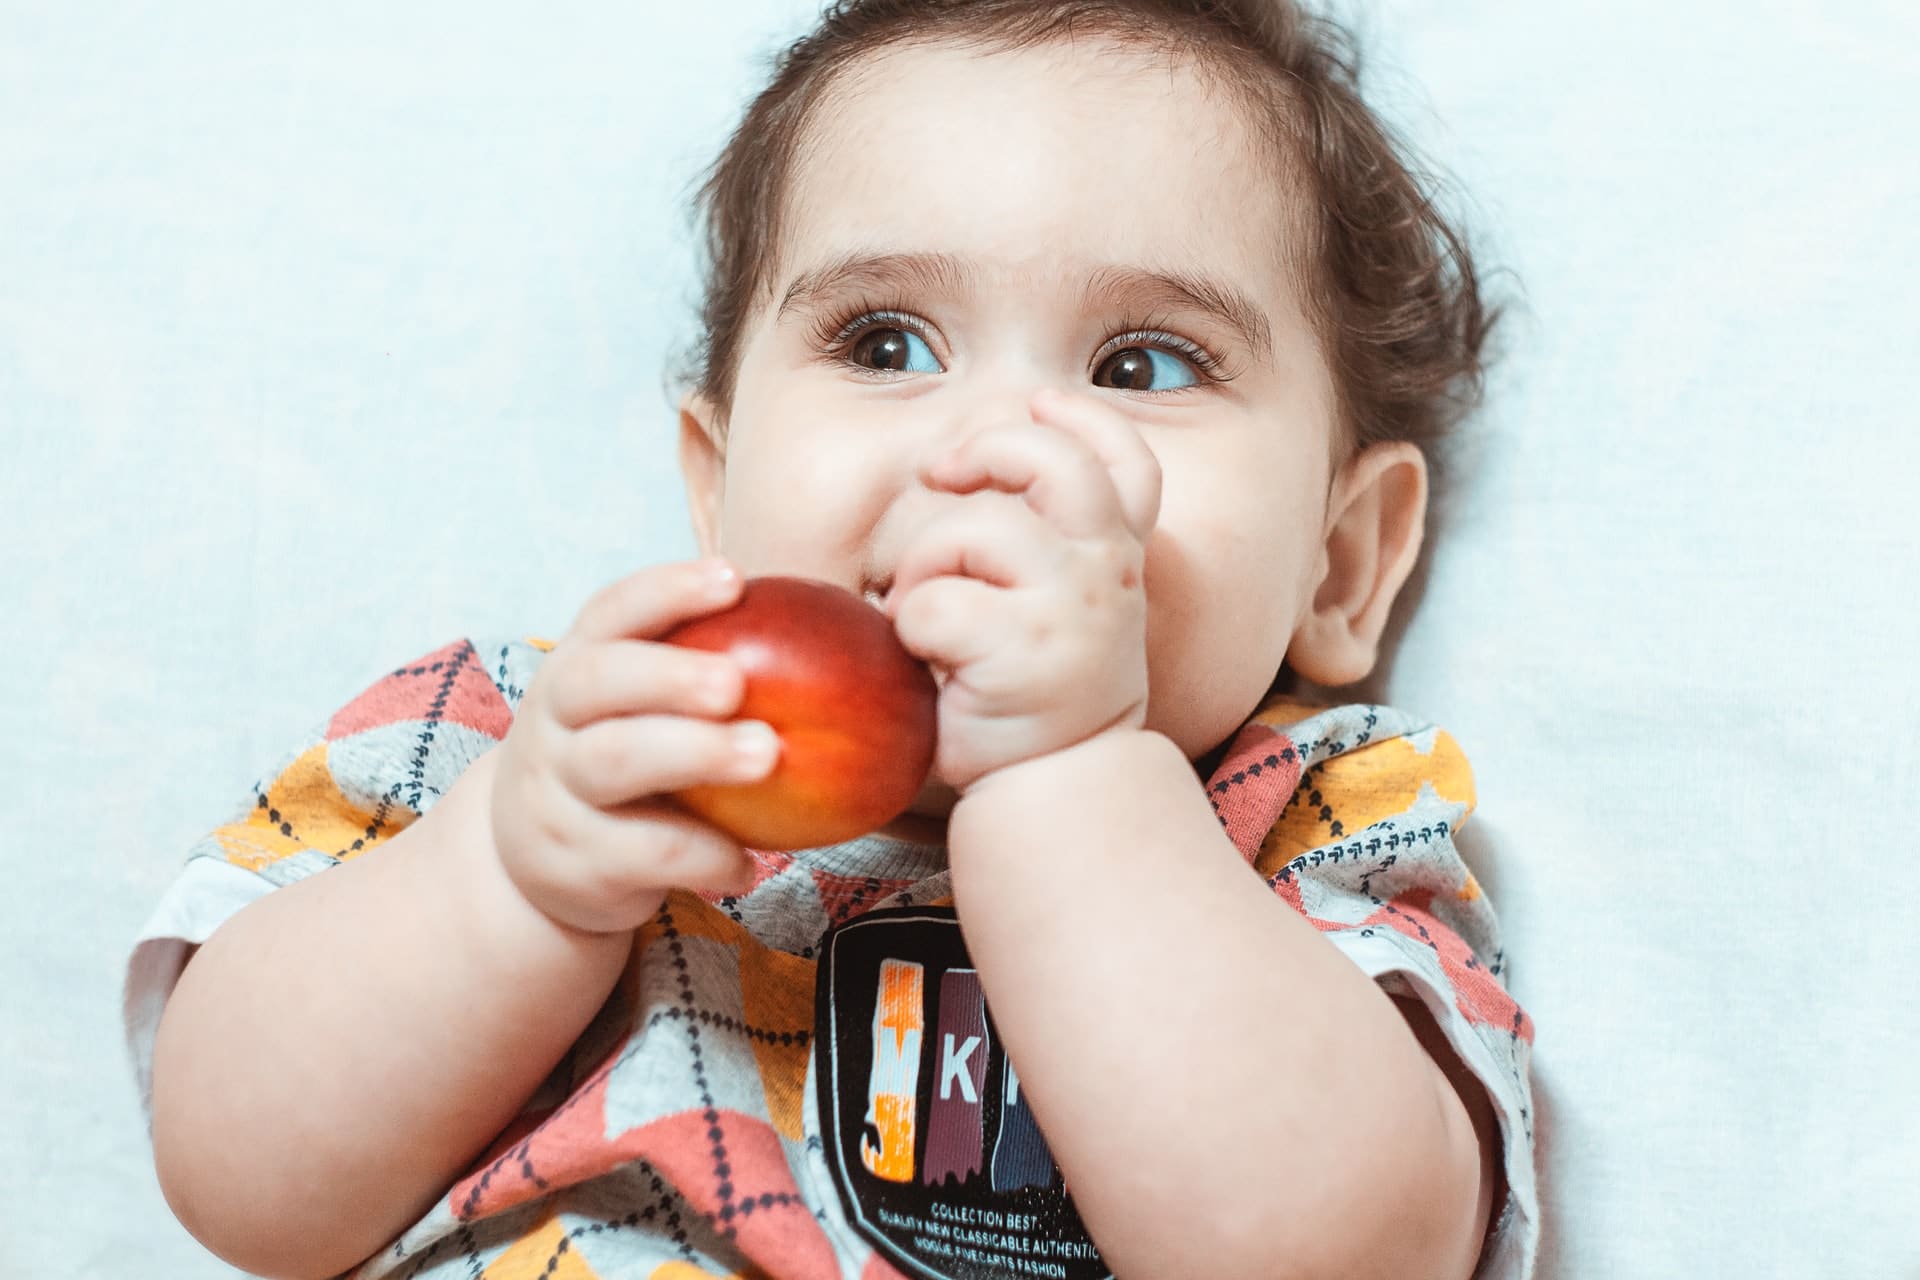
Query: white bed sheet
x=331, y=334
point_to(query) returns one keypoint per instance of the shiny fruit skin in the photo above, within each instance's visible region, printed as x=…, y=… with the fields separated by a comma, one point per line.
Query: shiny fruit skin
x=854, y=711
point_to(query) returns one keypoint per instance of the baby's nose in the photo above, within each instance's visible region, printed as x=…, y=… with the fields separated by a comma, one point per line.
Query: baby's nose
x=1009, y=403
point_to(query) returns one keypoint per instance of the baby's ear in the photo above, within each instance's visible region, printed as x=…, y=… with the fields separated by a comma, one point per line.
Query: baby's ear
x=1376, y=518
x=703, y=467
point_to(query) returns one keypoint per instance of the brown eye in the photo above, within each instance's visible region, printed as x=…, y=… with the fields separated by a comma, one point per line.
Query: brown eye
x=893, y=351
x=1140, y=368
x=1126, y=370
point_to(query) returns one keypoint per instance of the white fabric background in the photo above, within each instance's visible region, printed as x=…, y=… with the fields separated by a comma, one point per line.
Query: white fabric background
x=332, y=334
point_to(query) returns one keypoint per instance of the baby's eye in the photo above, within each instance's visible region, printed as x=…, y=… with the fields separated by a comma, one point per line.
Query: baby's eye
x=1145, y=369
x=893, y=351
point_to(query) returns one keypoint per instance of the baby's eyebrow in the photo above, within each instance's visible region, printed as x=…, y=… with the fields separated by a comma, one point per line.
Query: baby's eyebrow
x=1108, y=285
x=1183, y=290
x=878, y=272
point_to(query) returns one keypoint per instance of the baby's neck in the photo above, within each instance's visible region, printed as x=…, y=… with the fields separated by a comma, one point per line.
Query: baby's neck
x=918, y=828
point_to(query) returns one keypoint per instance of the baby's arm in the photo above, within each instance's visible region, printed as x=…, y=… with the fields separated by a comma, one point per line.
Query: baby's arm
x=341, y=1049
x=1226, y=1093
x=417, y=1001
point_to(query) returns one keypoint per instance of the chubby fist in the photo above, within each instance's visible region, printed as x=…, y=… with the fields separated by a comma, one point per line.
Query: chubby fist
x=1029, y=597
x=612, y=725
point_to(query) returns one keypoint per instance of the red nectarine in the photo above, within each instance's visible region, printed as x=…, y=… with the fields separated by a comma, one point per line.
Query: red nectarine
x=855, y=713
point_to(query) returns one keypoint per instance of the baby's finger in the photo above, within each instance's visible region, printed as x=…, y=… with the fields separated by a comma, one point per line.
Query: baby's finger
x=620, y=860
x=618, y=761
x=666, y=845
x=951, y=622
x=1055, y=471
x=992, y=537
x=634, y=677
x=656, y=599
x=1118, y=444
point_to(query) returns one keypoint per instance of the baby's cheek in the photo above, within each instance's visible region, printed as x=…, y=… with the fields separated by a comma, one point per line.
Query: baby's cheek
x=1197, y=711
x=1210, y=661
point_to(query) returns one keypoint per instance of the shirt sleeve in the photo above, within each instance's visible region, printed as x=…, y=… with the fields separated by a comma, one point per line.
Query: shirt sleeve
x=352, y=783
x=1350, y=814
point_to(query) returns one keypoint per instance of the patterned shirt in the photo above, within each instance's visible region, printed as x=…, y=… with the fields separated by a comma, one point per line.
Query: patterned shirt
x=805, y=1080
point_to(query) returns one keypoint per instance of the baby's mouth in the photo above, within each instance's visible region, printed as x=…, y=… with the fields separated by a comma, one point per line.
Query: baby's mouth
x=875, y=593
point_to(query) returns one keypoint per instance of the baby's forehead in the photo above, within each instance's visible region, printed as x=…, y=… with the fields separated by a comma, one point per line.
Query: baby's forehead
x=1030, y=163
x=1217, y=103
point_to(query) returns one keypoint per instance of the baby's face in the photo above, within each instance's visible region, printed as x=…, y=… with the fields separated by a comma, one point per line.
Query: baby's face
x=1019, y=216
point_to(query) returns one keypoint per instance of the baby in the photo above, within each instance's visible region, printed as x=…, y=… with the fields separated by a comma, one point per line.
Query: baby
x=1105, y=346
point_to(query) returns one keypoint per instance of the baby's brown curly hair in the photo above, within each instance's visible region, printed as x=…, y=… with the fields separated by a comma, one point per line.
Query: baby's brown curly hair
x=1390, y=285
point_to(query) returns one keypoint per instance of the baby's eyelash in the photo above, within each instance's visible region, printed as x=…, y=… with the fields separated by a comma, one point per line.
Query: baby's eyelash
x=1151, y=331
x=836, y=332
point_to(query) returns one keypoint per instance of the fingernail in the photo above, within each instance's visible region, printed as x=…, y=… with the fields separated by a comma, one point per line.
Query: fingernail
x=755, y=745
x=718, y=576
x=718, y=689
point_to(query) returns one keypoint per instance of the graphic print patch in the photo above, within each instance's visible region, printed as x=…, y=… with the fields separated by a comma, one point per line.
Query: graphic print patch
x=937, y=1157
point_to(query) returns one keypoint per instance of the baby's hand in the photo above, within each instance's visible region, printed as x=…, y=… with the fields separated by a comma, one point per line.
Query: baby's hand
x=611, y=722
x=1030, y=595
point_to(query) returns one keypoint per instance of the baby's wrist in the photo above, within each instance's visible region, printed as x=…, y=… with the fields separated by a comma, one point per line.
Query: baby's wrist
x=1053, y=803
x=1110, y=745
x=495, y=901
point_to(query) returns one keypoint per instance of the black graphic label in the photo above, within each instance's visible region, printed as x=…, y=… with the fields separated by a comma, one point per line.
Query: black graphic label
x=935, y=1152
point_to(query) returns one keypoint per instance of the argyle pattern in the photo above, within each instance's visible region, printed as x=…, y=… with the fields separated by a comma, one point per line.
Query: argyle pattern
x=679, y=1138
